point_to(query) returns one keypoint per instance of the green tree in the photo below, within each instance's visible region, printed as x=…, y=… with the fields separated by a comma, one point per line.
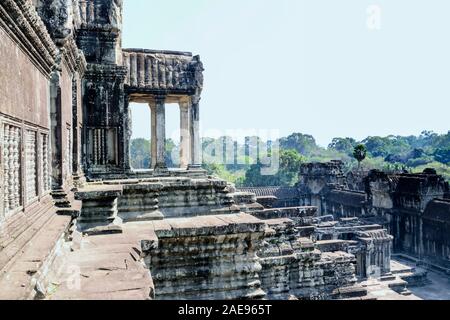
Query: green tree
x=302, y=143
x=344, y=145
x=290, y=162
x=442, y=155
x=172, y=153
x=360, y=154
x=140, y=153
x=287, y=175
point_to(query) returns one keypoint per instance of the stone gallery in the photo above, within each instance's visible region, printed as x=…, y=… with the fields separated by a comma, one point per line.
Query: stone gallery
x=77, y=222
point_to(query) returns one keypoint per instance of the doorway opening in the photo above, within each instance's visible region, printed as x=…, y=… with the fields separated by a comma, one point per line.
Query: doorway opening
x=173, y=135
x=140, y=143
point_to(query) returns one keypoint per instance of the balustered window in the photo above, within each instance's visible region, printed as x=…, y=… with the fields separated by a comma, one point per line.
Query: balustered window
x=103, y=146
x=68, y=157
x=31, y=164
x=45, y=178
x=12, y=168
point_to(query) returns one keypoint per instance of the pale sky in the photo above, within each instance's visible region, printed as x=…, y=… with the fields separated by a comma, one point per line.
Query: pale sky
x=310, y=66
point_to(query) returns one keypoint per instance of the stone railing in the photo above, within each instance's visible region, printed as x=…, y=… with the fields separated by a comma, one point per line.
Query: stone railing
x=166, y=71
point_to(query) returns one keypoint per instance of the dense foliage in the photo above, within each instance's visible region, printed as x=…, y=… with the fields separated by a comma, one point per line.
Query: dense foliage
x=140, y=153
x=240, y=164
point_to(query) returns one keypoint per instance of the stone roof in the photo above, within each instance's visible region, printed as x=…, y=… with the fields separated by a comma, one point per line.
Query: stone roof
x=322, y=168
x=347, y=197
x=438, y=210
x=412, y=184
x=279, y=192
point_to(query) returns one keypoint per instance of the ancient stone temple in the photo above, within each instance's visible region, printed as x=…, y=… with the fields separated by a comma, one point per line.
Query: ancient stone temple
x=414, y=208
x=77, y=222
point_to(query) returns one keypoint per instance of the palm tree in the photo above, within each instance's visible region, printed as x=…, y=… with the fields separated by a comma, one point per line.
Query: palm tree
x=360, y=154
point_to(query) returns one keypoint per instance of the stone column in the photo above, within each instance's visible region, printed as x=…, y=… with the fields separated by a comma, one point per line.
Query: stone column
x=56, y=131
x=160, y=125
x=196, y=149
x=153, y=134
x=185, y=134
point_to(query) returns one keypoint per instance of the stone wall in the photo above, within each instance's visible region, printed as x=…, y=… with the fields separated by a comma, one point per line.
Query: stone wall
x=39, y=62
x=315, y=179
x=206, y=258
x=27, y=56
x=292, y=266
x=342, y=203
x=436, y=230
x=403, y=203
x=417, y=212
x=154, y=199
x=106, y=123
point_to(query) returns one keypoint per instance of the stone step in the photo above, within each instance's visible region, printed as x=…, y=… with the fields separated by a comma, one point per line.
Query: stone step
x=62, y=203
x=16, y=225
x=388, y=278
x=137, y=217
x=398, y=285
x=349, y=292
x=406, y=293
x=20, y=237
x=366, y=298
x=19, y=278
x=416, y=279
x=69, y=212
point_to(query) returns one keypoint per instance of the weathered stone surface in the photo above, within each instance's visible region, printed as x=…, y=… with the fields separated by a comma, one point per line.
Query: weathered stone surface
x=103, y=267
x=99, y=213
x=140, y=202
x=168, y=71
x=207, y=258
x=26, y=270
x=417, y=212
x=292, y=266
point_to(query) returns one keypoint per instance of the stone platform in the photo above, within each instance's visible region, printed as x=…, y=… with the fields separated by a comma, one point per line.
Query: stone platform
x=156, y=198
x=29, y=245
x=210, y=257
x=103, y=267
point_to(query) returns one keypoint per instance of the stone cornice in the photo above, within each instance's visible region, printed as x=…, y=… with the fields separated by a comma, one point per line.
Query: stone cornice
x=73, y=57
x=105, y=35
x=21, y=22
x=105, y=71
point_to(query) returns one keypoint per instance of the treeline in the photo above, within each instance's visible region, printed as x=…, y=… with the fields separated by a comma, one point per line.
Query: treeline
x=252, y=163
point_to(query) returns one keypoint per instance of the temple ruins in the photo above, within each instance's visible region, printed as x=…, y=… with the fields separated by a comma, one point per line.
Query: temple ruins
x=77, y=222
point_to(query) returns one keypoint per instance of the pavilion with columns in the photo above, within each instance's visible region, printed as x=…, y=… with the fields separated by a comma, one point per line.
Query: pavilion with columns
x=158, y=78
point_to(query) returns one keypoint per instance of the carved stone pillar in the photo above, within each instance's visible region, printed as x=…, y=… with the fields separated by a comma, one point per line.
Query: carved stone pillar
x=185, y=134
x=160, y=131
x=153, y=134
x=57, y=132
x=196, y=149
